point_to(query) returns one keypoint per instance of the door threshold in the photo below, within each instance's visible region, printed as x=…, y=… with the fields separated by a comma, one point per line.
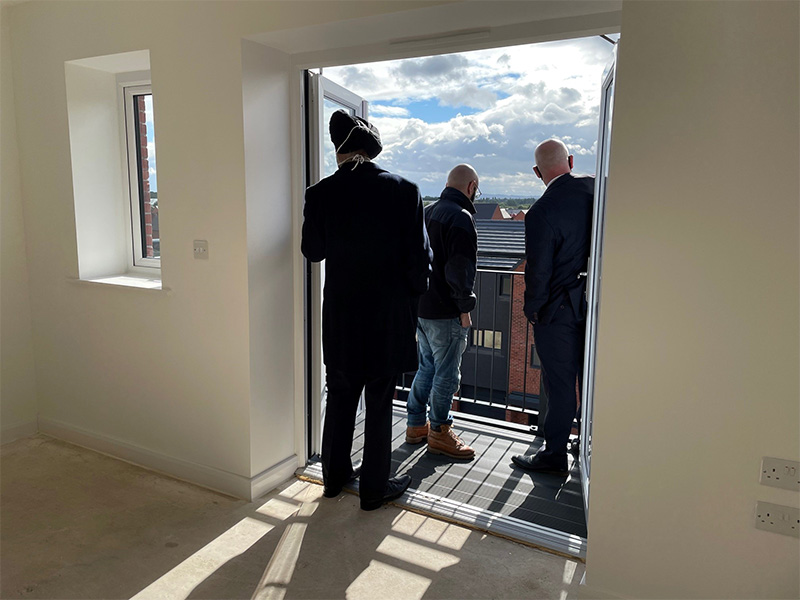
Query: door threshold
x=460, y=513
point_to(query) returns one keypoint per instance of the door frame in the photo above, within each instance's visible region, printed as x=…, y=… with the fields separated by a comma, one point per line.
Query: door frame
x=334, y=53
x=594, y=273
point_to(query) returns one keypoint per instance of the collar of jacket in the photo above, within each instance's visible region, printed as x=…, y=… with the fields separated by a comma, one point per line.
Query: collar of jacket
x=348, y=166
x=454, y=195
x=560, y=181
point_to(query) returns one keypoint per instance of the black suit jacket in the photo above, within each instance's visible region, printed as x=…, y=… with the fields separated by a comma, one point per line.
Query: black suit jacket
x=558, y=230
x=368, y=226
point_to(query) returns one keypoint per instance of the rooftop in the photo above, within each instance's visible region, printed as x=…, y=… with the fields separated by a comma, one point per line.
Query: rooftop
x=501, y=244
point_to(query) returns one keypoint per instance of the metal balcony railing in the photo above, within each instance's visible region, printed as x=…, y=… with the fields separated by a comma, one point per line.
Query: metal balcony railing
x=500, y=370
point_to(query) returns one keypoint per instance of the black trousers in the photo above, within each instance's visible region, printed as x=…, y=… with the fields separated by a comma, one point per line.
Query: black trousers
x=344, y=390
x=560, y=346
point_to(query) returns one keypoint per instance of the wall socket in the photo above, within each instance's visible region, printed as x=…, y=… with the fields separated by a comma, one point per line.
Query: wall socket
x=778, y=519
x=777, y=472
x=201, y=249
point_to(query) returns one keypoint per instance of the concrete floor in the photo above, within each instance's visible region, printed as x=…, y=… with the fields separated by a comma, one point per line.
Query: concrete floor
x=77, y=524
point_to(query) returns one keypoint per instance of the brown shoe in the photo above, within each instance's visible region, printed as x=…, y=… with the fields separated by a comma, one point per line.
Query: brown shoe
x=415, y=435
x=448, y=443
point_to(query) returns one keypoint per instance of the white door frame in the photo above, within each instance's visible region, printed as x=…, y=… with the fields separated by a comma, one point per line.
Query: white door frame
x=594, y=274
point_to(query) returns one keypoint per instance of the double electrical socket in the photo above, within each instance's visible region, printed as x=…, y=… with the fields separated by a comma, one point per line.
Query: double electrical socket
x=777, y=472
x=778, y=519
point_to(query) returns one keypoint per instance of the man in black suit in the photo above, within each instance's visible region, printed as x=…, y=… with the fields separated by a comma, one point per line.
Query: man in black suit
x=557, y=239
x=368, y=225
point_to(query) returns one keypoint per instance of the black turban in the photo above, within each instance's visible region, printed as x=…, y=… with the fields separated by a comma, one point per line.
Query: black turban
x=349, y=134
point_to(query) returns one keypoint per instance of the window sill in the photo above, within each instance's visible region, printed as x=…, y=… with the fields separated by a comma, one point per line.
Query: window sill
x=128, y=280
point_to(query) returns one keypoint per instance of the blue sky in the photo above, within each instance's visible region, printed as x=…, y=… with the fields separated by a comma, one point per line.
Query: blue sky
x=489, y=108
x=431, y=110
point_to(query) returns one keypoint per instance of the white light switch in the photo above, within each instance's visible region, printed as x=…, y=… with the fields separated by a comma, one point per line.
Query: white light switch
x=201, y=249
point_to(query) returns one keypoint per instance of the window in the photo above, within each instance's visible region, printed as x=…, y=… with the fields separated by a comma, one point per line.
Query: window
x=141, y=150
x=505, y=285
x=535, y=362
x=486, y=338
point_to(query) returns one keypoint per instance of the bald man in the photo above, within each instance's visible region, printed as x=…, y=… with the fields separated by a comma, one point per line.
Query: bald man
x=557, y=238
x=444, y=319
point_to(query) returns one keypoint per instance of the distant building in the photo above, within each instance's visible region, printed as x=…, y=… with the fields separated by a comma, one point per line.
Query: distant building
x=488, y=211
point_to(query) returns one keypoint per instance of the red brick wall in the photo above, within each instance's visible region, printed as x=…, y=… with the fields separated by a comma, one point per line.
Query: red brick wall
x=147, y=217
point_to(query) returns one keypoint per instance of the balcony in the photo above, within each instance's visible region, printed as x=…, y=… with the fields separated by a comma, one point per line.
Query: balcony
x=497, y=412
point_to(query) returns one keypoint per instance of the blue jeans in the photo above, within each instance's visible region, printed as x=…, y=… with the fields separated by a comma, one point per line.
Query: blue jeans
x=440, y=343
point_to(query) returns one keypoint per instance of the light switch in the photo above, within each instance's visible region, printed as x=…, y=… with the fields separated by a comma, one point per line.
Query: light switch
x=201, y=249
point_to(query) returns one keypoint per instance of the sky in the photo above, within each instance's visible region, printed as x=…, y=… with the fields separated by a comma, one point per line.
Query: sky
x=488, y=108
x=151, y=142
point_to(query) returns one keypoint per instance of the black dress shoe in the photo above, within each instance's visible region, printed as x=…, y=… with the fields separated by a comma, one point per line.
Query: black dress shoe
x=575, y=447
x=395, y=487
x=538, y=464
x=333, y=491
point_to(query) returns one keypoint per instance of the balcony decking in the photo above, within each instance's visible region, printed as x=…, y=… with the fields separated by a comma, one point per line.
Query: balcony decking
x=488, y=489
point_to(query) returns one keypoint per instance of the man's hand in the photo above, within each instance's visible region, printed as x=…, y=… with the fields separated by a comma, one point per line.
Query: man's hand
x=466, y=320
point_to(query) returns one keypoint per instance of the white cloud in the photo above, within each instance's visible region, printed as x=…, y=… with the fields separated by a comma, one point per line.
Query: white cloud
x=388, y=111
x=447, y=66
x=469, y=95
x=523, y=95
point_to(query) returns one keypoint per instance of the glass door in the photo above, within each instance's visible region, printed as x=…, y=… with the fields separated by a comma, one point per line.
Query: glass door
x=324, y=97
x=595, y=276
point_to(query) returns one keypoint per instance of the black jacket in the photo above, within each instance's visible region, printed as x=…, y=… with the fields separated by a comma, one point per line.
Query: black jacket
x=558, y=230
x=368, y=226
x=454, y=242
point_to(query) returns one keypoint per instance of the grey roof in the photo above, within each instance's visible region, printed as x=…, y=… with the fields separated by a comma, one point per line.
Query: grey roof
x=484, y=210
x=498, y=264
x=501, y=244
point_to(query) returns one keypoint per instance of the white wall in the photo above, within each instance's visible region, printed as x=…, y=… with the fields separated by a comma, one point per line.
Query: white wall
x=97, y=181
x=265, y=94
x=17, y=376
x=697, y=376
x=164, y=377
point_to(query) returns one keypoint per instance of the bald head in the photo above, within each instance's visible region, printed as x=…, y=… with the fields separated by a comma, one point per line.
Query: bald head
x=552, y=159
x=465, y=179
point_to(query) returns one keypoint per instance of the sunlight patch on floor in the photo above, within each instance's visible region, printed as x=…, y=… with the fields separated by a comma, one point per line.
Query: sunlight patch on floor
x=280, y=569
x=278, y=509
x=416, y=554
x=180, y=581
x=393, y=583
x=431, y=530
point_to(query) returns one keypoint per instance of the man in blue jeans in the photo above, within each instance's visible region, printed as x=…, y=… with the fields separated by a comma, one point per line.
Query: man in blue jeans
x=444, y=319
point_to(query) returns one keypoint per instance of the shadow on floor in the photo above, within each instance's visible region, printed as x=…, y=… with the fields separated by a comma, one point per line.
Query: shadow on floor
x=77, y=524
x=491, y=481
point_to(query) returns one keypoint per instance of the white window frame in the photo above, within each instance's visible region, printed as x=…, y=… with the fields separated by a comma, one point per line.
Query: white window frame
x=136, y=262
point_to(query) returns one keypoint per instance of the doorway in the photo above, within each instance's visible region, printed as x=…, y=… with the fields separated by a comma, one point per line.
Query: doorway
x=489, y=389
